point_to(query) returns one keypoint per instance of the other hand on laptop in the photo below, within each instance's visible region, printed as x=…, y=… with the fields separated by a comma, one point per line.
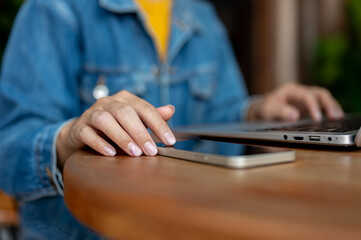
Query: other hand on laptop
x=292, y=101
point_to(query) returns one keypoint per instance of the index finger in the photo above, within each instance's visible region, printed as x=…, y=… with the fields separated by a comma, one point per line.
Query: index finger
x=308, y=99
x=152, y=119
x=155, y=122
x=328, y=103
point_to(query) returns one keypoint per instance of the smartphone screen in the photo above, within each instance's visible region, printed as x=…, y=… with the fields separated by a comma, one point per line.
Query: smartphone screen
x=232, y=155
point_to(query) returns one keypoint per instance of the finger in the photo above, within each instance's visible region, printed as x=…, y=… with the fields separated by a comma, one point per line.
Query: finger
x=285, y=112
x=153, y=120
x=106, y=123
x=129, y=120
x=303, y=96
x=149, y=115
x=166, y=112
x=88, y=136
x=328, y=103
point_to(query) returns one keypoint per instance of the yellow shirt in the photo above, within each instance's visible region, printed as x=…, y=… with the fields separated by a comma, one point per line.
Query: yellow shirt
x=157, y=14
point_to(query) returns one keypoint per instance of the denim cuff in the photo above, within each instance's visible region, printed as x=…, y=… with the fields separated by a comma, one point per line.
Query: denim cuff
x=57, y=176
x=46, y=162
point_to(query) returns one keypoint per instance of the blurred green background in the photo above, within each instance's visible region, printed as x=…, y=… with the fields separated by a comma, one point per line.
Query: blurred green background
x=8, y=9
x=338, y=60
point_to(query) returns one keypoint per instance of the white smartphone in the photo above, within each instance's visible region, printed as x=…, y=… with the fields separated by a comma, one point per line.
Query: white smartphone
x=258, y=156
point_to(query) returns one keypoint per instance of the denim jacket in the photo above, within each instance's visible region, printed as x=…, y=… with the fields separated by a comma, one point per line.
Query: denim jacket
x=61, y=51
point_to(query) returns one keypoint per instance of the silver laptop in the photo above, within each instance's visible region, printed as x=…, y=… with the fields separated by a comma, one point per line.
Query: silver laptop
x=327, y=132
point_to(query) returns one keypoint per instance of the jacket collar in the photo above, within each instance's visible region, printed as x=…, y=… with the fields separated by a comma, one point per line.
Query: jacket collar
x=184, y=21
x=181, y=12
x=119, y=6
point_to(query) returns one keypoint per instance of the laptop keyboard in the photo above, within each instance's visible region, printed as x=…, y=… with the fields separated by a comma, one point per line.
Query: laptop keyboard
x=343, y=125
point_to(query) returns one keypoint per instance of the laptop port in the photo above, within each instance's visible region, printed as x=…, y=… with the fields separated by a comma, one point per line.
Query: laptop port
x=298, y=138
x=314, y=138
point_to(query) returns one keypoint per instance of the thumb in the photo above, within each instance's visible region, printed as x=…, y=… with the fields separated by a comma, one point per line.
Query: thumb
x=166, y=112
x=286, y=112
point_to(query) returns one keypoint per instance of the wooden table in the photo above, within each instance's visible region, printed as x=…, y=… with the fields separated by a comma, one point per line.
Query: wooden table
x=316, y=197
x=8, y=211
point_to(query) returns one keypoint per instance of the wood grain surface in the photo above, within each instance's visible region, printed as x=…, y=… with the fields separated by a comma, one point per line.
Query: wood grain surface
x=8, y=211
x=316, y=197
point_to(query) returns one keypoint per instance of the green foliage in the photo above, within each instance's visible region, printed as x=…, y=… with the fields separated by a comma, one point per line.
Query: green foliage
x=8, y=10
x=338, y=61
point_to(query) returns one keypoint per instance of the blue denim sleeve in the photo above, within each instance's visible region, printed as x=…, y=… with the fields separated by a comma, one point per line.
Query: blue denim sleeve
x=38, y=94
x=230, y=102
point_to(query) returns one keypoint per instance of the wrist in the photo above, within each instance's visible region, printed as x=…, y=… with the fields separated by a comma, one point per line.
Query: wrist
x=63, y=149
x=253, y=112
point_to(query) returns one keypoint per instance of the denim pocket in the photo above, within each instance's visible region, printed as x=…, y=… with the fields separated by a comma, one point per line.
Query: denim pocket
x=202, y=85
x=112, y=81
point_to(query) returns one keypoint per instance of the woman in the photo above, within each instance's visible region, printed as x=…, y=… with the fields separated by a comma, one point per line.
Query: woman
x=95, y=73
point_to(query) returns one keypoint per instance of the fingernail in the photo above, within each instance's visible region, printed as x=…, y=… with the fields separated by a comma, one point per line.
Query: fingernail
x=293, y=115
x=171, y=106
x=134, y=150
x=342, y=113
x=338, y=113
x=109, y=151
x=318, y=116
x=150, y=148
x=169, y=138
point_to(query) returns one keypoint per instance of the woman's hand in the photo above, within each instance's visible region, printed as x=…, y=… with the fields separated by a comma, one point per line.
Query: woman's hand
x=292, y=101
x=122, y=118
